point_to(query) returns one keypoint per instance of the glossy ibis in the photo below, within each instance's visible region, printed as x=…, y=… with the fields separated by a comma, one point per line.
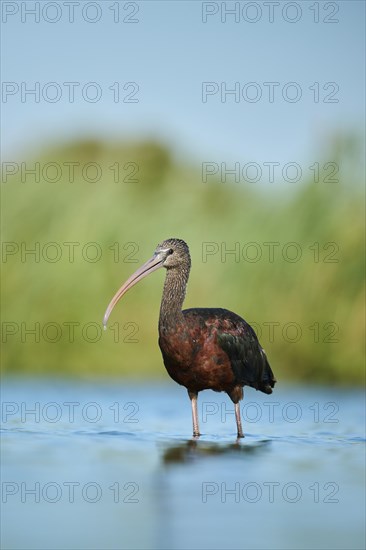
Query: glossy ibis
x=202, y=348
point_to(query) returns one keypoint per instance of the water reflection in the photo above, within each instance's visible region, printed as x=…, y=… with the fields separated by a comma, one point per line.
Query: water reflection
x=195, y=449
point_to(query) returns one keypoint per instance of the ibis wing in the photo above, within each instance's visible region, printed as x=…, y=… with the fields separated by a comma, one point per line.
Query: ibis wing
x=248, y=359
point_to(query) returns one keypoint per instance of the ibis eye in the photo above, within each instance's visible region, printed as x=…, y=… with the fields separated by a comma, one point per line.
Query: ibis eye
x=170, y=251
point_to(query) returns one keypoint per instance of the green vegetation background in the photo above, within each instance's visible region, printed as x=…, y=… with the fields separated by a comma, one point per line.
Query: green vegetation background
x=322, y=292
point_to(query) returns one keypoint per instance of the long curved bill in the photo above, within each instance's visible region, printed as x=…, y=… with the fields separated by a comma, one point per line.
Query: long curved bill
x=148, y=267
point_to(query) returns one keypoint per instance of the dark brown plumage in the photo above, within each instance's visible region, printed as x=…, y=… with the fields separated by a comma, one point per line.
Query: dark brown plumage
x=202, y=348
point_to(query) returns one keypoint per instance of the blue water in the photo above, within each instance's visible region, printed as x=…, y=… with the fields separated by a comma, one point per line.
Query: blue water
x=113, y=465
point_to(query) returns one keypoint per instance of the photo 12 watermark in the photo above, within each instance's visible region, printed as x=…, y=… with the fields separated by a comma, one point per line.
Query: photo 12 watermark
x=271, y=492
x=69, y=412
x=270, y=12
x=293, y=332
x=272, y=412
x=71, y=492
x=269, y=172
x=269, y=92
x=252, y=252
x=69, y=92
x=71, y=171
x=70, y=12
x=67, y=332
x=53, y=252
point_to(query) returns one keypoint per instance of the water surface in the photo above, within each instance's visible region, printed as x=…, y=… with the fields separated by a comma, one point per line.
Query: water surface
x=113, y=465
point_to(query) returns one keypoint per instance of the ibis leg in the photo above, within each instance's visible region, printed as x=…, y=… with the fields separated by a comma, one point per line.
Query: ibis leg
x=193, y=398
x=238, y=420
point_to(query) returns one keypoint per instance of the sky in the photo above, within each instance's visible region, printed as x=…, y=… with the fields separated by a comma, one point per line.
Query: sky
x=216, y=81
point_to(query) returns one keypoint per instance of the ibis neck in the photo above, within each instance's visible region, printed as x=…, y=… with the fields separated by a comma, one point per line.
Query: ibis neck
x=173, y=296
